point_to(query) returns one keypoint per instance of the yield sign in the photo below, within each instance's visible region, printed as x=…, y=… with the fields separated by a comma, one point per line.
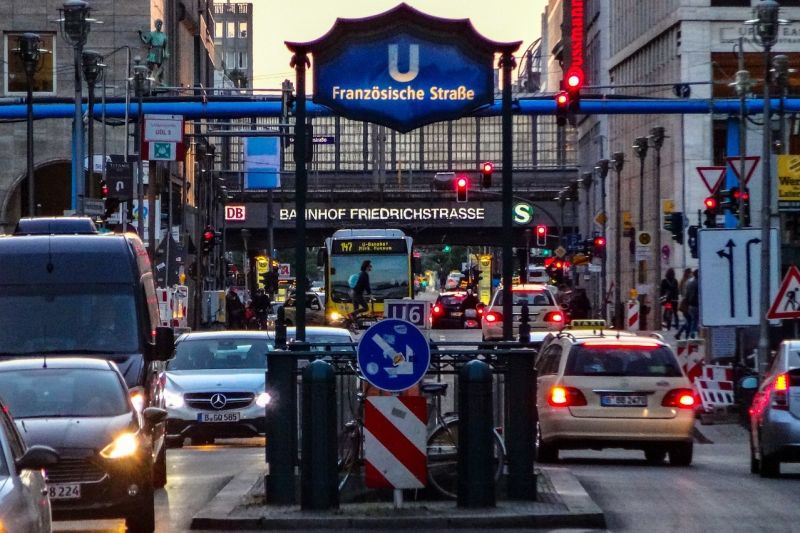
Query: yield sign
x=712, y=175
x=787, y=302
x=750, y=163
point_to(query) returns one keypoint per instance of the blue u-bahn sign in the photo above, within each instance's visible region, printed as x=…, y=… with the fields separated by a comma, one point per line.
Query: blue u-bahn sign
x=403, y=68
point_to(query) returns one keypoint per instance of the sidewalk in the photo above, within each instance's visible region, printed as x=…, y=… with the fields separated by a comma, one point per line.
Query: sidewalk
x=562, y=503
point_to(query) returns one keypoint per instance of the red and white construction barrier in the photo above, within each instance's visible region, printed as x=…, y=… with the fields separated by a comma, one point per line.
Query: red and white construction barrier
x=715, y=387
x=632, y=315
x=395, y=434
x=173, y=304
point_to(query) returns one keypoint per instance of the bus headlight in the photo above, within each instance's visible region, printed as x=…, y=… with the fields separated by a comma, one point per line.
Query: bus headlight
x=335, y=316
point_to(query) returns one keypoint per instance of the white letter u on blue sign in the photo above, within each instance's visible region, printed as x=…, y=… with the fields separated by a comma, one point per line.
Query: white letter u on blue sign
x=413, y=63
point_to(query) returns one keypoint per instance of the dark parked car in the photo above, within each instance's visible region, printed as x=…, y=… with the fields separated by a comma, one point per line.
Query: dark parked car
x=81, y=408
x=452, y=309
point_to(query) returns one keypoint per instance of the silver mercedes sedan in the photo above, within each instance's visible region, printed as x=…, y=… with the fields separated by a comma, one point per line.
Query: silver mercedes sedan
x=216, y=383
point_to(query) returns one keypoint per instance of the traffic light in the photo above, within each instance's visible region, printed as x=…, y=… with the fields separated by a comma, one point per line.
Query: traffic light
x=446, y=248
x=573, y=82
x=541, y=235
x=209, y=236
x=676, y=226
x=462, y=186
x=103, y=189
x=729, y=199
x=712, y=208
x=562, y=108
x=693, y=241
x=599, y=247
x=486, y=174
x=746, y=207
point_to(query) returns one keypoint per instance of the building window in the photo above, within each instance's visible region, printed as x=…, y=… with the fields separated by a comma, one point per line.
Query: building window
x=218, y=29
x=44, y=80
x=231, y=30
x=243, y=30
x=242, y=60
x=230, y=59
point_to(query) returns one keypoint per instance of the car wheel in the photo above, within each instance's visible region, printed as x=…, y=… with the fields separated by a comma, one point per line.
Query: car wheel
x=160, y=468
x=681, y=454
x=545, y=453
x=770, y=466
x=143, y=520
x=655, y=456
x=755, y=464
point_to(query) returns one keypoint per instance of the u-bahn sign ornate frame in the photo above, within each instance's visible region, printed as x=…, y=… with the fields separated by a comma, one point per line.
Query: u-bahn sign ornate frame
x=403, y=68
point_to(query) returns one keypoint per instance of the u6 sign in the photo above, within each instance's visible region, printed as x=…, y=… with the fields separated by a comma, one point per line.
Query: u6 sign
x=414, y=311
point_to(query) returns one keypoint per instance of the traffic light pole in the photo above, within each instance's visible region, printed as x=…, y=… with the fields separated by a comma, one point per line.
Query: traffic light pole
x=766, y=162
x=507, y=64
x=300, y=62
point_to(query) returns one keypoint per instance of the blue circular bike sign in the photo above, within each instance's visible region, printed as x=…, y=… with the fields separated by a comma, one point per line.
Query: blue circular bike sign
x=393, y=355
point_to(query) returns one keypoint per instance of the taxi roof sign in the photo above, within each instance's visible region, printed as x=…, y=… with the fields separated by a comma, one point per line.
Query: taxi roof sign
x=593, y=323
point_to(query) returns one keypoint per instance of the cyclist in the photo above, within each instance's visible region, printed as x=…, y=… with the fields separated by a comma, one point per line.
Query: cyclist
x=261, y=305
x=362, y=286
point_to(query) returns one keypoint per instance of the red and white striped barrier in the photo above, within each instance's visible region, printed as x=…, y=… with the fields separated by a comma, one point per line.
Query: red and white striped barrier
x=691, y=358
x=395, y=434
x=715, y=387
x=632, y=315
x=173, y=306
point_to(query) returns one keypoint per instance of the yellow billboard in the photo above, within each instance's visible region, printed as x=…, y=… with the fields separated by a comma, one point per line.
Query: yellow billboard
x=789, y=183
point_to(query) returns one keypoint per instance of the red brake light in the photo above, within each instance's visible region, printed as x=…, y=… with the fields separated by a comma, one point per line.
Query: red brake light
x=493, y=316
x=437, y=309
x=554, y=316
x=680, y=398
x=565, y=397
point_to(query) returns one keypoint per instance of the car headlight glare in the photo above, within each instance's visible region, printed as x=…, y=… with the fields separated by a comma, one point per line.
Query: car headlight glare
x=173, y=400
x=263, y=399
x=124, y=445
x=335, y=316
x=137, y=399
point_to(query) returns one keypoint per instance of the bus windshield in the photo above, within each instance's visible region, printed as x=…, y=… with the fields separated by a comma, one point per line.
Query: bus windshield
x=388, y=279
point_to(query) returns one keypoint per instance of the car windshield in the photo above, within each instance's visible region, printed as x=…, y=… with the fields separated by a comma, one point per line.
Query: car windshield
x=68, y=318
x=63, y=392
x=389, y=277
x=531, y=297
x=219, y=354
x=452, y=299
x=614, y=360
x=319, y=341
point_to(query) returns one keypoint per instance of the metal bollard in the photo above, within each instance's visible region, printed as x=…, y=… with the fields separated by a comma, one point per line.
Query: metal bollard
x=280, y=329
x=475, y=436
x=319, y=474
x=524, y=324
x=520, y=424
x=281, y=431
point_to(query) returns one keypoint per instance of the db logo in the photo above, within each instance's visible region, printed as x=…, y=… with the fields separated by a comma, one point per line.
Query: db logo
x=235, y=213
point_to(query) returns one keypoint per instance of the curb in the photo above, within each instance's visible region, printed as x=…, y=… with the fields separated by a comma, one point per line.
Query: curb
x=581, y=512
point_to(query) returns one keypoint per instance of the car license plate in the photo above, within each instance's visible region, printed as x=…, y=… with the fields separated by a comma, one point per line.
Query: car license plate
x=64, y=491
x=623, y=400
x=456, y=313
x=232, y=416
x=368, y=323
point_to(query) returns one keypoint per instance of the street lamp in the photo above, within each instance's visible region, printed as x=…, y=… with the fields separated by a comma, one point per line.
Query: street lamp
x=75, y=25
x=766, y=24
x=618, y=160
x=92, y=70
x=601, y=167
x=30, y=53
x=657, y=139
x=139, y=86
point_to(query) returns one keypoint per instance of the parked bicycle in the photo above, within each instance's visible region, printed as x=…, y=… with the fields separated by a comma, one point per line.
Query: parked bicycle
x=442, y=441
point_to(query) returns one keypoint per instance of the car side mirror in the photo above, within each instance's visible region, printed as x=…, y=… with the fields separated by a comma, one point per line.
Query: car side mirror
x=748, y=383
x=154, y=415
x=165, y=344
x=37, y=457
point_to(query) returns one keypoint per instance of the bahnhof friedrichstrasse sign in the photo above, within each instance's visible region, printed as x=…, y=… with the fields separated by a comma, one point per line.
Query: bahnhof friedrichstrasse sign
x=403, y=69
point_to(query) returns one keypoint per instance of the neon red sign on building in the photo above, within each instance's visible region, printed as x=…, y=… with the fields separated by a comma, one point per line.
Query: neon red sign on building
x=576, y=35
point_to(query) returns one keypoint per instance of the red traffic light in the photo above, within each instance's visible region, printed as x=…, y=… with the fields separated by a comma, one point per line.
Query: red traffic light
x=541, y=230
x=461, y=182
x=103, y=189
x=599, y=241
x=487, y=167
x=562, y=99
x=208, y=235
x=710, y=202
x=574, y=78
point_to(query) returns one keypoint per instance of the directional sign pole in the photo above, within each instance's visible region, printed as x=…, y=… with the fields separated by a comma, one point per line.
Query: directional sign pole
x=507, y=63
x=299, y=62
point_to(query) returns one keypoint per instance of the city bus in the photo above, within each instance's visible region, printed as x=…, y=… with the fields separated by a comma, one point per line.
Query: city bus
x=389, y=250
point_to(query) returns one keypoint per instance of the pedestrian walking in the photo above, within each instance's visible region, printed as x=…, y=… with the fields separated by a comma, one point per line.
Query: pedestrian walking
x=683, y=306
x=669, y=299
x=693, y=304
x=234, y=310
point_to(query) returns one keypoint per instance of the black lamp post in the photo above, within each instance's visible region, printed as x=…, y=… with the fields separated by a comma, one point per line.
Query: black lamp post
x=640, y=149
x=601, y=167
x=766, y=24
x=139, y=85
x=657, y=139
x=30, y=53
x=618, y=160
x=75, y=25
x=92, y=70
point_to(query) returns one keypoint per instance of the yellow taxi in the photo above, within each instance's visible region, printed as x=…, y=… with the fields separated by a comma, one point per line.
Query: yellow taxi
x=600, y=388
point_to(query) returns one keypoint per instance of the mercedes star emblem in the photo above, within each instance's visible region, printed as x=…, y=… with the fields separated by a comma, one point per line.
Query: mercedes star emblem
x=218, y=401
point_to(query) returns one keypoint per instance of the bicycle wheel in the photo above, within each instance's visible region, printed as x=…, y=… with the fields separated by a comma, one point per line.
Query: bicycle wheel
x=348, y=450
x=443, y=458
